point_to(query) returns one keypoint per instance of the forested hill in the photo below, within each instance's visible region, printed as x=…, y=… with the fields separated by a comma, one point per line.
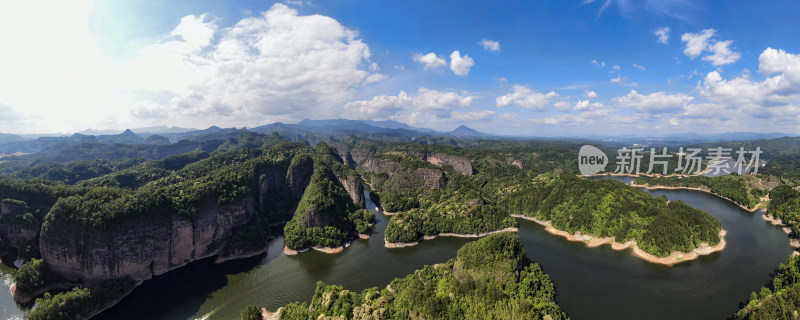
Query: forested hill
x=747, y=190
x=490, y=278
x=609, y=208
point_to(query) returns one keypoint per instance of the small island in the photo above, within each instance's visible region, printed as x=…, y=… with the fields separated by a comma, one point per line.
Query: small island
x=610, y=212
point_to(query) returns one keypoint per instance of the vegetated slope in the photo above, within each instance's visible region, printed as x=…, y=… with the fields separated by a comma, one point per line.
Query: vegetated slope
x=785, y=205
x=490, y=278
x=464, y=206
x=746, y=190
x=330, y=212
x=609, y=208
x=780, y=300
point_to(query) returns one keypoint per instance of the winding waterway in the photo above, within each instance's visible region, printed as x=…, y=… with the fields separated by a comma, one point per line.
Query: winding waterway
x=592, y=283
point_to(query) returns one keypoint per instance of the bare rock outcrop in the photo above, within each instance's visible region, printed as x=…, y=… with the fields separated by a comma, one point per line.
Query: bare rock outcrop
x=515, y=162
x=460, y=164
x=352, y=184
x=16, y=235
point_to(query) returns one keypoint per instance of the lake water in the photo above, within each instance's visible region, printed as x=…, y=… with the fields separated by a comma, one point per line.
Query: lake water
x=591, y=283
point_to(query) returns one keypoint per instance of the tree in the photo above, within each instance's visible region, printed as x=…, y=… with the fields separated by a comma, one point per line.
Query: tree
x=251, y=313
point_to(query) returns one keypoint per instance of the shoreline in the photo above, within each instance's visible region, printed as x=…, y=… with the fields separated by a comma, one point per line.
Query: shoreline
x=660, y=187
x=794, y=243
x=591, y=241
x=651, y=175
x=69, y=285
x=293, y=252
x=394, y=245
x=242, y=256
x=267, y=315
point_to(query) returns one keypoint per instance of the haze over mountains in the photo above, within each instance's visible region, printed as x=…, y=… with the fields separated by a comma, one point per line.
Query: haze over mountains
x=312, y=130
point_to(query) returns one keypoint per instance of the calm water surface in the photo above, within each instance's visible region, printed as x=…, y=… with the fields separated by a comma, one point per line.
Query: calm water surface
x=592, y=283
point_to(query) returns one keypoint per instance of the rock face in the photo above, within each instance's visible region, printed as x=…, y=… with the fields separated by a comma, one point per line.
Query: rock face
x=516, y=162
x=353, y=186
x=142, y=247
x=460, y=164
x=16, y=235
x=418, y=178
x=358, y=156
x=374, y=164
x=298, y=178
x=343, y=151
x=8, y=207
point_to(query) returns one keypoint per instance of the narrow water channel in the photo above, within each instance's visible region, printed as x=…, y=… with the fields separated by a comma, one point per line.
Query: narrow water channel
x=592, y=283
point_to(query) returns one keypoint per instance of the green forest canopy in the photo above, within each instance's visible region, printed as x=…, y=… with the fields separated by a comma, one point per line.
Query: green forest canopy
x=490, y=278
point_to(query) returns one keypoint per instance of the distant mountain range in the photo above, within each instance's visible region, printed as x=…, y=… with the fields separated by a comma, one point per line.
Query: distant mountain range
x=142, y=131
x=310, y=130
x=693, y=137
x=320, y=130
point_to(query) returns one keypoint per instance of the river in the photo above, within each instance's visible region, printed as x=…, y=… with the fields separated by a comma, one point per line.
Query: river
x=591, y=283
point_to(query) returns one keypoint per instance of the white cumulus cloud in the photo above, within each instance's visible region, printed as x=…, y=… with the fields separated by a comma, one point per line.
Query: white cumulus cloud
x=196, y=33
x=472, y=116
x=623, y=81
x=490, y=45
x=460, y=65
x=524, y=97
x=773, y=61
x=663, y=34
x=721, y=52
x=657, y=102
x=696, y=43
x=278, y=65
x=779, y=90
x=562, y=105
x=426, y=107
x=585, y=104
x=429, y=61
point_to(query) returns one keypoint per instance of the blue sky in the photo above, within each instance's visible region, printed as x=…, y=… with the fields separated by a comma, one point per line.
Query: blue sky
x=524, y=68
